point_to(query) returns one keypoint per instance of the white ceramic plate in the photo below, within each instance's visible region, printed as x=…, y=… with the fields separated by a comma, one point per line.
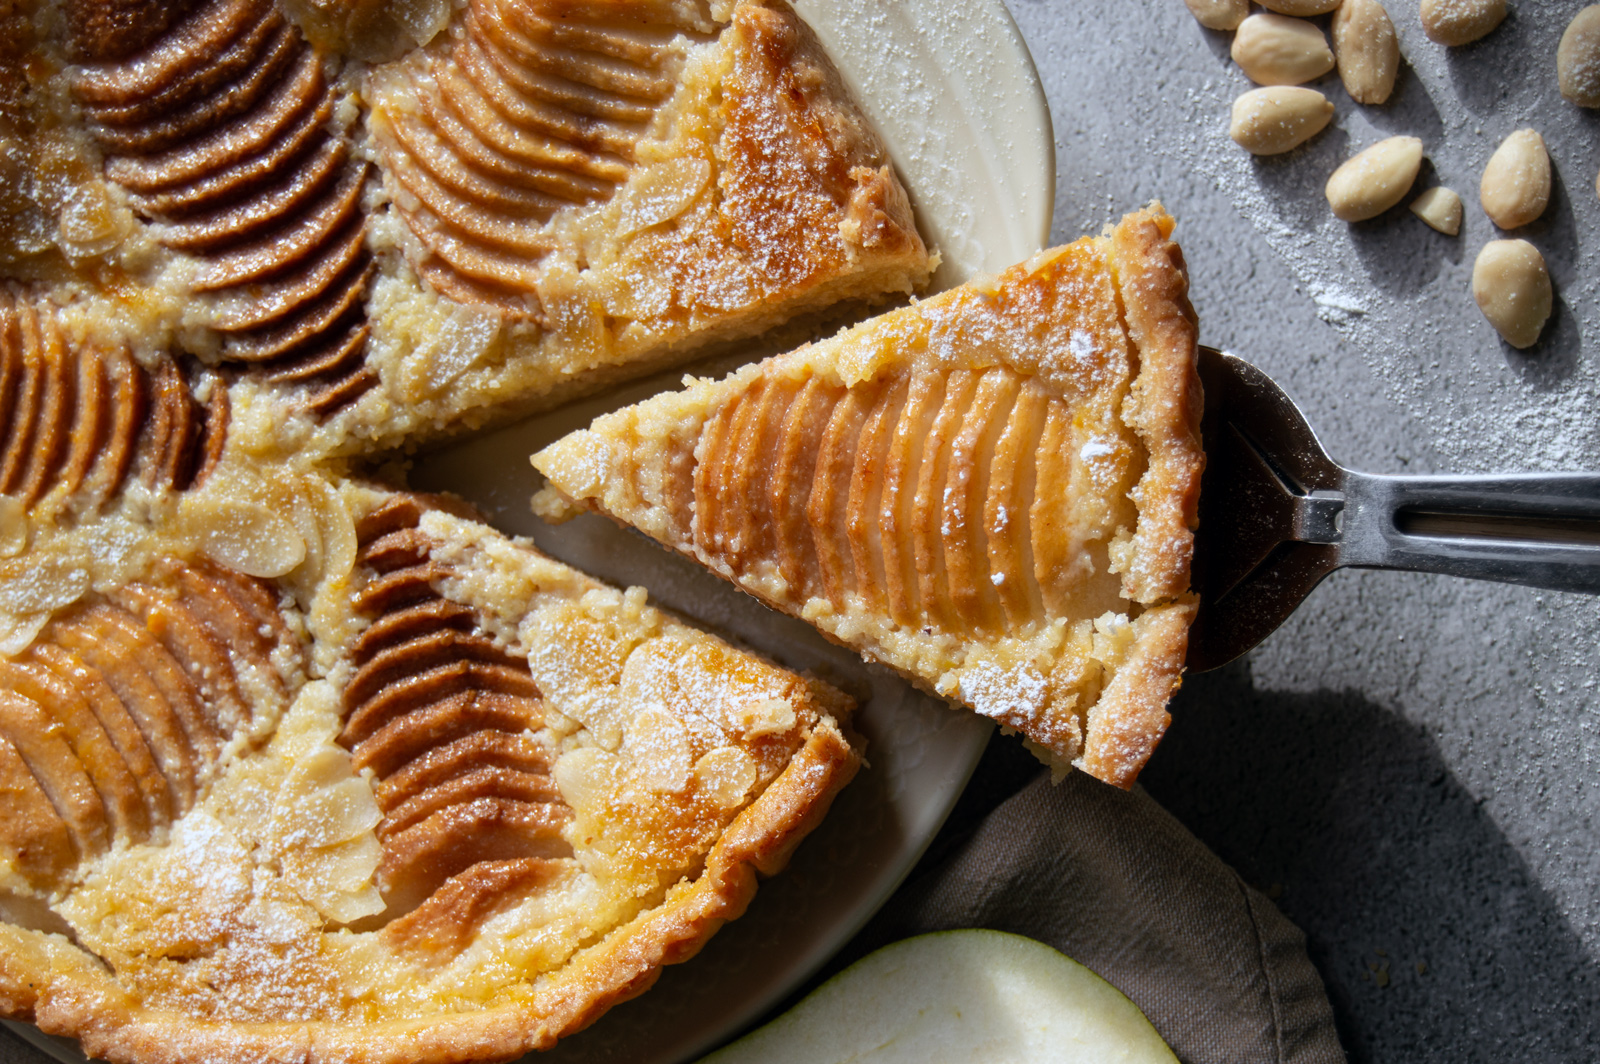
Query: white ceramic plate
x=952, y=89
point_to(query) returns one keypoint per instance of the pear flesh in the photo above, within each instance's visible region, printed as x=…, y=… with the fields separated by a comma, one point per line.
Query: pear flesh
x=958, y=996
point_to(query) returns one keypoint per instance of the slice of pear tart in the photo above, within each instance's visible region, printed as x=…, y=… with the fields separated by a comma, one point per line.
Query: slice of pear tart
x=993, y=490
x=390, y=222
x=335, y=773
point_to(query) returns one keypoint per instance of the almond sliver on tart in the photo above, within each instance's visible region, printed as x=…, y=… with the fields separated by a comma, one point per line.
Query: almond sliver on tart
x=993, y=491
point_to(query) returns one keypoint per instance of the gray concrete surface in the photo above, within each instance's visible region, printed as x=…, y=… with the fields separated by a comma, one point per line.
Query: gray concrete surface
x=1409, y=765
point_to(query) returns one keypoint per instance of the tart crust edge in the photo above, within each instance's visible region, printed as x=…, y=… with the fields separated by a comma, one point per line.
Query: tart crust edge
x=1163, y=408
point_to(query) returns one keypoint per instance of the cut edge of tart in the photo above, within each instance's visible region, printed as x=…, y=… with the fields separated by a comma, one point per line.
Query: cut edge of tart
x=422, y=794
x=993, y=491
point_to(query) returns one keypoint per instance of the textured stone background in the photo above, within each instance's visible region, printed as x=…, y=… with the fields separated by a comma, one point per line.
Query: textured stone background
x=1409, y=765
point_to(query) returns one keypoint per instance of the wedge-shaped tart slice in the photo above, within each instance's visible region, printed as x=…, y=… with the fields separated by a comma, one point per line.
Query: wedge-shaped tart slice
x=427, y=795
x=993, y=490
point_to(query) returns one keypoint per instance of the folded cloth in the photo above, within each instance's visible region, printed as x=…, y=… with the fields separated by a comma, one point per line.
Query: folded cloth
x=1112, y=880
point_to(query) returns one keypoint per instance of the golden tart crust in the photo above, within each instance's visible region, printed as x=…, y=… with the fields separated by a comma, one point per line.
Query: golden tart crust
x=993, y=490
x=427, y=795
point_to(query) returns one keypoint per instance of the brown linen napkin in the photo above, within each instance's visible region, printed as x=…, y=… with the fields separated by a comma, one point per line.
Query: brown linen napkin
x=1114, y=881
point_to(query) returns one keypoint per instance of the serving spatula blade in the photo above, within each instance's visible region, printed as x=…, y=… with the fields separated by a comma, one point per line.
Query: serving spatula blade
x=1277, y=515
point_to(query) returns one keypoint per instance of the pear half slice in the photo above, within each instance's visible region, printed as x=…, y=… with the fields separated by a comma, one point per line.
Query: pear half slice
x=958, y=996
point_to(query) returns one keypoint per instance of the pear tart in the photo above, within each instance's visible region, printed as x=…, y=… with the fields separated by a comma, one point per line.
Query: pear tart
x=386, y=225
x=589, y=189
x=296, y=767
x=427, y=795
x=993, y=490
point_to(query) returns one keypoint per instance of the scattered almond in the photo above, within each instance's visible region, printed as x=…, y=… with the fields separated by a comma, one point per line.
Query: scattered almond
x=1300, y=8
x=1375, y=180
x=40, y=582
x=1219, y=14
x=1367, y=49
x=1457, y=22
x=1512, y=288
x=1278, y=50
x=1440, y=207
x=1578, y=58
x=1516, y=184
x=1273, y=120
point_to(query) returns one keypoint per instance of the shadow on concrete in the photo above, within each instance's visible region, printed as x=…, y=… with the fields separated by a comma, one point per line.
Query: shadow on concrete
x=1477, y=70
x=1399, y=252
x=1293, y=182
x=1220, y=44
x=1408, y=111
x=1433, y=938
x=1551, y=361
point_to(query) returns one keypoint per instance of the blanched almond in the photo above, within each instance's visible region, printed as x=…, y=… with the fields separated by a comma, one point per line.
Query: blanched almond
x=1219, y=14
x=1300, y=8
x=1440, y=207
x=1278, y=50
x=1512, y=287
x=1578, y=58
x=725, y=775
x=1457, y=22
x=1375, y=180
x=1516, y=184
x=1367, y=49
x=1273, y=120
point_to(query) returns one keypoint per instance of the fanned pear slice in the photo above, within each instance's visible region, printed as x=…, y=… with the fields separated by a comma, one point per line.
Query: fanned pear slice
x=992, y=491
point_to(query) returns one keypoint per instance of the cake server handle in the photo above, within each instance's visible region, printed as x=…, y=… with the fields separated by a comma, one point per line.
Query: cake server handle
x=1536, y=529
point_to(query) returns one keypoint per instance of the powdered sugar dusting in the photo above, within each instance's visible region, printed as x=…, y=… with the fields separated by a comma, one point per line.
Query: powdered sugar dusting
x=1098, y=447
x=1081, y=346
x=1008, y=696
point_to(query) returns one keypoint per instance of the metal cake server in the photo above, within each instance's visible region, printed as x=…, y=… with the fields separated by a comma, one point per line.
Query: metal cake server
x=1277, y=515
